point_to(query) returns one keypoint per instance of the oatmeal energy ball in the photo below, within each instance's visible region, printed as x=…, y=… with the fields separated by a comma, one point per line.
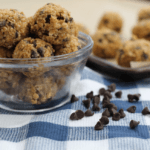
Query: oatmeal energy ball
x=144, y=13
x=71, y=46
x=136, y=50
x=13, y=27
x=106, y=43
x=82, y=28
x=111, y=20
x=142, y=29
x=53, y=24
x=33, y=48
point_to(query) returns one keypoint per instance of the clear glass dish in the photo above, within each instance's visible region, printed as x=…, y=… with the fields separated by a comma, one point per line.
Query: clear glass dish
x=37, y=85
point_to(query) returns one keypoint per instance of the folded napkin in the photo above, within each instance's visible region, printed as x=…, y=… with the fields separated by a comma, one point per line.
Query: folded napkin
x=53, y=130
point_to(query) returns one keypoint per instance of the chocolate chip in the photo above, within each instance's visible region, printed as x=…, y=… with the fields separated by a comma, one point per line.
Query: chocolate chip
x=74, y=98
x=73, y=116
x=96, y=100
x=122, y=114
x=133, y=97
x=80, y=114
x=100, y=40
x=117, y=29
x=60, y=18
x=46, y=32
x=132, y=109
x=2, y=23
x=11, y=24
x=60, y=28
x=136, y=96
x=16, y=34
x=106, y=113
x=112, y=87
x=47, y=19
x=106, y=100
x=116, y=117
x=34, y=43
x=118, y=94
x=34, y=54
x=104, y=120
x=89, y=113
x=89, y=95
x=87, y=103
x=41, y=51
x=145, y=111
x=112, y=111
x=102, y=91
x=98, y=126
x=138, y=47
x=145, y=56
x=133, y=124
x=35, y=22
x=109, y=106
x=105, y=21
x=50, y=4
x=107, y=93
x=42, y=11
x=71, y=19
x=65, y=40
x=66, y=20
x=95, y=107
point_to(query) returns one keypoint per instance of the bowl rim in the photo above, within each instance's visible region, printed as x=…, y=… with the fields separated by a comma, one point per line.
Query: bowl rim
x=89, y=44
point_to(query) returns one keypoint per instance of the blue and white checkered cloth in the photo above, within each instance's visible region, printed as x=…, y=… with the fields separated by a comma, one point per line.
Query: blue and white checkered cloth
x=54, y=130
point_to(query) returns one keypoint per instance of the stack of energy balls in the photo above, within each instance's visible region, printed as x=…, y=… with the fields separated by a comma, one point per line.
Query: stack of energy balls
x=50, y=32
x=108, y=42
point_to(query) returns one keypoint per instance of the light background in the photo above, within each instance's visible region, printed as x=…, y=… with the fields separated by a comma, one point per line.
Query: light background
x=87, y=12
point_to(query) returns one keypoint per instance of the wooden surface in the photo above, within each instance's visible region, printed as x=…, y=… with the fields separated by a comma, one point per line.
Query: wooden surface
x=87, y=12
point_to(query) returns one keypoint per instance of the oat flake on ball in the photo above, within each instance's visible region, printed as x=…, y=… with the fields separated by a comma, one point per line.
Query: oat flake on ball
x=13, y=27
x=53, y=24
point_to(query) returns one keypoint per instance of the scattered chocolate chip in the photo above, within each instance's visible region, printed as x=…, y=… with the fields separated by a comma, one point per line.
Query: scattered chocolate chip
x=109, y=106
x=122, y=114
x=112, y=111
x=106, y=113
x=16, y=34
x=34, y=43
x=66, y=20
x=89, y=95
x=46, y=32
x=145, y=56
x=133, y=97
x=136, y=96
x=47, y=19
x=131, y=109
x=35, y=22
x=138, y=47
x=60, y=18
x=65, y=40
x=74, y=98
x=41, y=51
x=104, y=120
x=95, y=107
x=87, y=103
x=106, y=100
x=105, y=21
x=89, y=113
x=100, y=40
x=133, y=124
x=2, y=23
x=116, y=117
x=102, y=91
x=71, y=19
x=11, y=24
x=112, y=87
x=118, y=94
x=34, y=54
x=117, y=29
x=145, y=111
x=73, y=116
x=107, y=93
x=98, y=126
x=96, y=100
x=130, y=97
x=80, y=114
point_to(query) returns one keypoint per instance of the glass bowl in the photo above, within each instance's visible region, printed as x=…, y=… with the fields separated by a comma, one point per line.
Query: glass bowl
x=37, y=85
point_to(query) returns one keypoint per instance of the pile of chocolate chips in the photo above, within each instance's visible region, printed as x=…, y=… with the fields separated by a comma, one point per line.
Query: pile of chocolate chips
x=111, y=109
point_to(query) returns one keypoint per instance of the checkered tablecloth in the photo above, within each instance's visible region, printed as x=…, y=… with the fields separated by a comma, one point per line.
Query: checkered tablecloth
x=54, y=130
